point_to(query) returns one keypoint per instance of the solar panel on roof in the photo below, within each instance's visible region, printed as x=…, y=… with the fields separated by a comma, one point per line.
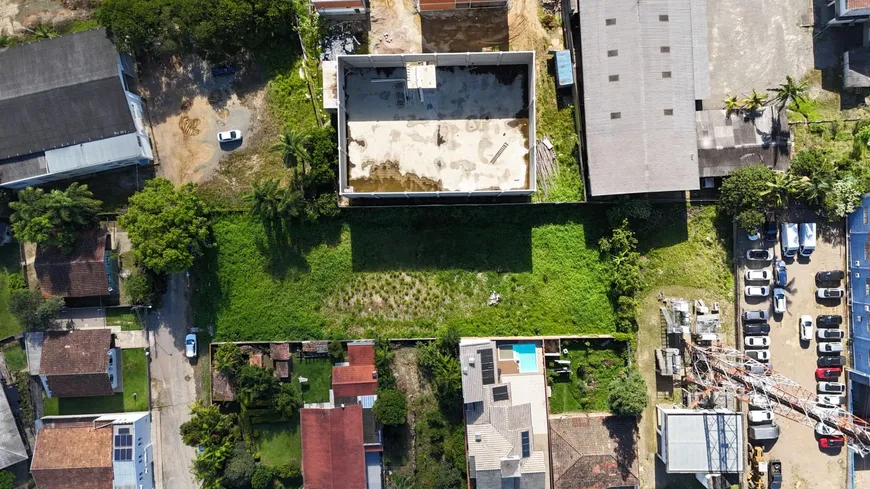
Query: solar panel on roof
x=487, y=369
x=500, y=393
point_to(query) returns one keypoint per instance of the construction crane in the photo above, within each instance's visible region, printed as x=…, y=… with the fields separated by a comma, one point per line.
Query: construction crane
x=730, y=371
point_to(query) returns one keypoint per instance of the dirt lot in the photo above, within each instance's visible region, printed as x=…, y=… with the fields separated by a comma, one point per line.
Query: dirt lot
x=804, y=465
x=756, y=44
x=187, y=107
x=15, y=15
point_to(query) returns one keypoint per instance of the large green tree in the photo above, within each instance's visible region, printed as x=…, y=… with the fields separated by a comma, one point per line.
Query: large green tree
x=288, y=399
x=628, y=395
x=256, y=386
x=391, y=407
x=240, y=468
x=53, y=218
x=7, y=480
x=742, y=195
x=167, y=227
x=33, y=311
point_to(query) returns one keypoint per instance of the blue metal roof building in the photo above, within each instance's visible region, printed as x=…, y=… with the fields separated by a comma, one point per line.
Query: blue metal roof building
x=859, y=281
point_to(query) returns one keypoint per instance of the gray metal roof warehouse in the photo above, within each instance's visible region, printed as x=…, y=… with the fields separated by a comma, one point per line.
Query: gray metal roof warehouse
x=644, y=63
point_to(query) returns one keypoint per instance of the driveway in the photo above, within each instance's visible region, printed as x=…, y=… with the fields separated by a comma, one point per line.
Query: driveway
x=173, y=387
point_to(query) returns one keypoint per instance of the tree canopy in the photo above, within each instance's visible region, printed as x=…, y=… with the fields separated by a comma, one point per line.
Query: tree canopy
x=33, y=311
x=53, y=218
x=167, y=227
x=391, y=407
x=742, y=195
x=229, y=359
x=628, y=395
x=7, y=480
x=288, y=399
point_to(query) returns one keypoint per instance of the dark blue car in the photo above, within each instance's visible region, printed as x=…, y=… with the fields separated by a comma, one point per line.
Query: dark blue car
x=779, y=274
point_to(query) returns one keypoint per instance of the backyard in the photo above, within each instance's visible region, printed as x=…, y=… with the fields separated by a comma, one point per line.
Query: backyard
x=123, y=317
x=279, y=443
x=594, y=365
x=318, y=371
x=15, y=357
x=10, y=278
x=134, y=372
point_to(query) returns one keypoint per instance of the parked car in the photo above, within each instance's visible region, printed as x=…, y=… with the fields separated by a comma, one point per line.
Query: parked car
x=756, y=315
x=829, y=334
x=757, y=291
x=223, y=70
x=759, y=355
x=829, y=373
x=770, y=228
x=779, y=304
x=832, y=388
x=832, y=347
x=229, y=136
x=832, y=361
x=757, y=341
x=759, y=255
x=190, y=346
x=760, y=416
x=830, y=276
x=756, y=328
x=779, y=274
x=805, y=325
x=758, y=401
x=829, y=400
x=829, y=321
x=763, y=433
x=774, y=474
x=825, y=430
x=830, y=293
x=828, y=442
x=758, y=368
x=757, y=275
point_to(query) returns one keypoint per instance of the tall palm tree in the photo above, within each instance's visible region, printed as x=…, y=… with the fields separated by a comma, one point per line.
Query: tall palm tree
x=266, y=200
x=754, y=101
x=780, y=190
x=791, y=92
x=732, y=104
x=293, y=147
x=814, y=189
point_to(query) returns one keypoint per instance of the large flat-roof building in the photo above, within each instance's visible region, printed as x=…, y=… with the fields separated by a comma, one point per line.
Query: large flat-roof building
x=644, y=64
x=435, y=125
x=68, y=107
x=700, y=441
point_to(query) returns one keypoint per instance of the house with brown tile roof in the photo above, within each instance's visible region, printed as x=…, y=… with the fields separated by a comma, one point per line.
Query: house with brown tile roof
x=79, y=363
x=593, y=451
x=106, y=451
x=353, y=458
x=85, y=272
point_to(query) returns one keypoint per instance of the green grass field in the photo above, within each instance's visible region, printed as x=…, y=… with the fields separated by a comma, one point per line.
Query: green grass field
x=407, y=272
x=123, y=317
x=135, y=375
x=279, y=443
x=318, y=371
x=15, y=357
x=599, y=363
x=9, y=265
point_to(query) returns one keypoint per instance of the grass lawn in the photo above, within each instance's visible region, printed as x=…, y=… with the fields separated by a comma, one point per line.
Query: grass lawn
x=318, y=371
x=123, y=317
x=9, y=265
x=279, y=443
x=135, y=375
x=15, y=357
x=599, y=363
x=406, y=272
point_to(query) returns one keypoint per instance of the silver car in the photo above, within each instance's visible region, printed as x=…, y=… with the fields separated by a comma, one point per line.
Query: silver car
x=829, y=400
x=757, y=275
x=756, y=341
x=831, y=347
x=832, y=388
x=762, y=356
x=757, y=291
x=779, y=304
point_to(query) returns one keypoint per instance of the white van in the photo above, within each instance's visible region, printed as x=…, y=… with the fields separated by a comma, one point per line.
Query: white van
x=789, y=239
x=807, y=238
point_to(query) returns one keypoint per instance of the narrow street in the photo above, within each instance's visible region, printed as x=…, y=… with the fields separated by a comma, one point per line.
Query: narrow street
x=173, y=387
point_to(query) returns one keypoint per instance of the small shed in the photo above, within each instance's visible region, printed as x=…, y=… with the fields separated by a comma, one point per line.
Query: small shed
x=564, y=68
x=282, y=369
x=311, y=349
x=279, y=351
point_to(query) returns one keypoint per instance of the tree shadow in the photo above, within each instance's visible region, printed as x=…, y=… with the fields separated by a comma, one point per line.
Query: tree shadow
x=284, y=246
x=667, y=225
x=464, y=31
x=624, y=432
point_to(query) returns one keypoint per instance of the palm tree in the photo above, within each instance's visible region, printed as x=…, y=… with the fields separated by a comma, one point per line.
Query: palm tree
x=732, y=104
x=791, y=92
x=293, y=147
x=266, y=200
x=780, y=190
x=814, y=189
x=754, y=101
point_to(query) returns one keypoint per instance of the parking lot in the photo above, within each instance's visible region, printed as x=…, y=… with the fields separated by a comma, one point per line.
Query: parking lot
x=805, y=465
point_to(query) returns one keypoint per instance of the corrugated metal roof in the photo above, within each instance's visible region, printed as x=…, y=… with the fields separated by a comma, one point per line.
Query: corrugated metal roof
x=703, y=441
x=12, y=448
x=639, y=81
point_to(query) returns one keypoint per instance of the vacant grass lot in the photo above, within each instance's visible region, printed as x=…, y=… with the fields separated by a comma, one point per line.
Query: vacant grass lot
x=406, y=272
x=594, y=364
x=15, y=357
x=135, y=375
x=123, y=317
x=10, y=269
x=279, y=443
x=318, y=371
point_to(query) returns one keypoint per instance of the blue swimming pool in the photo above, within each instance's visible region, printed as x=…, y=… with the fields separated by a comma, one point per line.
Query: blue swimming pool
x=525, y=353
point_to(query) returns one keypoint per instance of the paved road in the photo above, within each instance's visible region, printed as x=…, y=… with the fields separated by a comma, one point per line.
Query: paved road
x=173, y=387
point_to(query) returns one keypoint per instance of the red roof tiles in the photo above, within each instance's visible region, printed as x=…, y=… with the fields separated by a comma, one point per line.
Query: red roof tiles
x=354, y=380
x=76, y=363
x=332, y=448
x=73, y=457
x=81, y=273
x=361, y=354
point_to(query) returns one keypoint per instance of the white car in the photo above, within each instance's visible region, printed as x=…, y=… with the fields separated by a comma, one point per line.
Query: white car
x=829, y=400
x=762, y=356
x=806, y=327
x=759, y=255
x=757, y=291
x=757, y=275
x=190, y=346
x=832, y=388
x=825, y=430
x=758, y=401
x=779, y=305
x=229, y=136
x=760, y=416
x=830, y=334
x=757, y=341
x=831, y=347
x=832, y=293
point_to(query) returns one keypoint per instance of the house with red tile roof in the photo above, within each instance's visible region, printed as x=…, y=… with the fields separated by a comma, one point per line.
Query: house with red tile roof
x=341, y=439
x=77, y=363
x=85, y=272
x=104, y=451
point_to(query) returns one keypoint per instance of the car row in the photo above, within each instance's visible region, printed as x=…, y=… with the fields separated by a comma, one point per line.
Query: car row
x=831, y=392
